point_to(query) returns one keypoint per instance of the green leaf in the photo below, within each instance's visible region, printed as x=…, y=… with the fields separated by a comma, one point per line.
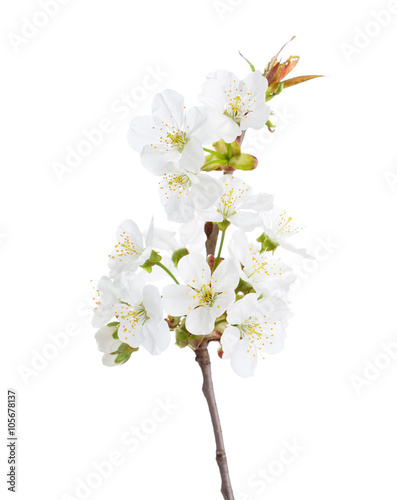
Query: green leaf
x=113, y=323
x=299, y=79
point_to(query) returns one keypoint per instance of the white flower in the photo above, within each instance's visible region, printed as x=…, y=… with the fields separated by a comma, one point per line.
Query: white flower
x=190, y=235
x=234, y=105
x=140, y=313
x=279, y=228
x=162, y=137
x=131, y=250
x=238, y=205
x=205, y=296
x=185, y=189
x=252, y=332
x=108, y=344
x=268, y=276
x=106, y=295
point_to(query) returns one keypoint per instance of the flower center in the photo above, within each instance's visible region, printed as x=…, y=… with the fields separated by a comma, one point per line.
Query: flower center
x=172, y=138
x=249, y=327
x=127, y=248
x=284, y=225
x=258, y=334
x=175, y=184
x=260, y=269
x=177, y=140
x=238, y=104
x=230, y=200
x=135, y=315
x=206, y=295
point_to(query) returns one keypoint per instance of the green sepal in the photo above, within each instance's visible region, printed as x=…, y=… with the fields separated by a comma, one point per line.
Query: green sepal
x=270, y=126
x=270, y=92
x=267, y=243
x=147, y=266
x=173, y=321
x=113, y=323
x=184, y=338
x=223, y=225
x=178, y=254
x=194, y=341
x=154, y=257
x=181, y=335
x=243, y=287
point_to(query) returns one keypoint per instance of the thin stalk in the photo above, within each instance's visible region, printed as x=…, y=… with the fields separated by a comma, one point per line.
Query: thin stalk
x=203, y=359
x=167, y=271
x=218, y=257
x=215, y=153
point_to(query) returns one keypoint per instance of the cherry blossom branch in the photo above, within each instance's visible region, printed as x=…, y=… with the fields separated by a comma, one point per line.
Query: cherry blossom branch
x=203, y=359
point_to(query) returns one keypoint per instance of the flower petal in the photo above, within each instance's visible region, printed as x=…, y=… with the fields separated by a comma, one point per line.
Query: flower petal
x=143, y=131
x=199, y=321
x=226, y=276
x=169, y=107
x=257, y=118
x=106, y=342
x=152, y=303
x=192, y=158
x=194, y=270
x=205, y=193
x=178, y=299
x=243, y=361
x=241, y=310
x=110, y=360
x=229, y=340
x=157, y=336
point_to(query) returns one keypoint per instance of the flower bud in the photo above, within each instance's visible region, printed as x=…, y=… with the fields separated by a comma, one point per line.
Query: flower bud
x=243, y=162
x=123, y=353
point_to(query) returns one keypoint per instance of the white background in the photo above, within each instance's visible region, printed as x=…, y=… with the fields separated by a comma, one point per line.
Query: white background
x=332, y=164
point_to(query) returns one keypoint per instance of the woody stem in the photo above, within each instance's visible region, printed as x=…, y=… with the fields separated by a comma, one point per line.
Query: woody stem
x=203, y=359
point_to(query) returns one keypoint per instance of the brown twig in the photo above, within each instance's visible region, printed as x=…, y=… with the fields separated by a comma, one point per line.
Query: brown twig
x=203, y=359
x=212, y=231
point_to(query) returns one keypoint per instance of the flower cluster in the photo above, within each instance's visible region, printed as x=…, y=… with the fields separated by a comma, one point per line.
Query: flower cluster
x=225, y=283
